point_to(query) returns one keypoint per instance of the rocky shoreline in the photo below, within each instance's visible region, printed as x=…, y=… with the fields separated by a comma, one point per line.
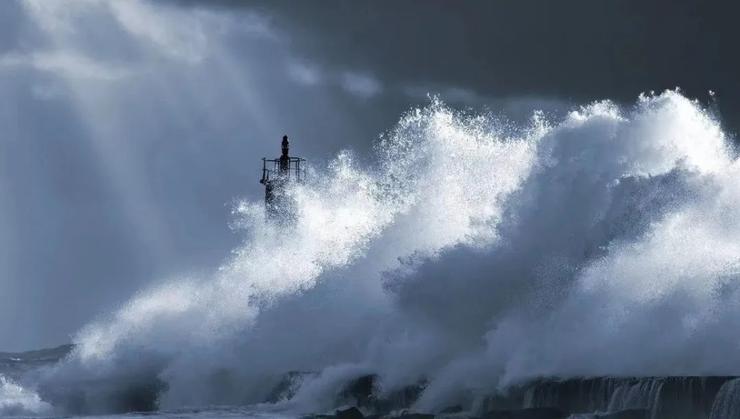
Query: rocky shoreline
x=689, y=397
x=670, y=397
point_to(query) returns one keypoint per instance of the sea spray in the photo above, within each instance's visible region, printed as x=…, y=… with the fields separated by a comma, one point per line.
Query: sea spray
x=340, y=215
x=15, y=400
x=471, y=255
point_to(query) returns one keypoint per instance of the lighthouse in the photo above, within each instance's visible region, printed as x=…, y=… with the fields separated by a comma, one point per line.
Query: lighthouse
x=277, y=174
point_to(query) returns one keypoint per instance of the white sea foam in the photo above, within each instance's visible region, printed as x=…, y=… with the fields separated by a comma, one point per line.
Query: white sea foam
x=473, y=254
x=16, y=400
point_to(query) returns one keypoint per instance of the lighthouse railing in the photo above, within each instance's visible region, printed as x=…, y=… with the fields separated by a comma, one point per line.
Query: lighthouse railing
x=295, y=171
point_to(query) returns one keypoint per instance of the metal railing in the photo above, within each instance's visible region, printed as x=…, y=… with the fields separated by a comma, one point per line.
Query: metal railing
x=291, y=169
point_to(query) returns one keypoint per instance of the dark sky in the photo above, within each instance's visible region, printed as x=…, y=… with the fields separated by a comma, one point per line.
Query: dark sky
x=128, y=128
x=573, y=50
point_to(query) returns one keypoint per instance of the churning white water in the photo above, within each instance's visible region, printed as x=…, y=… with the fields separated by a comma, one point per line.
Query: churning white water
x=473, y=254
x=16, y=400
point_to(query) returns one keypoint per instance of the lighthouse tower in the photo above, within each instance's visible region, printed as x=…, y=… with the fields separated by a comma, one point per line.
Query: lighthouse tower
x=276, y=175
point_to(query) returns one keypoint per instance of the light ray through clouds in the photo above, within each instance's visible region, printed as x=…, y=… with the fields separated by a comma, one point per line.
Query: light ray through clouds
x=98, y=113
x=7, y=211
x=152, y=99
x=170, y=38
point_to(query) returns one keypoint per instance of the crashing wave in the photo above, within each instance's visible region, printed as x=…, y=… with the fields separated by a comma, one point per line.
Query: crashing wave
x=16, y=400
x=474, y=255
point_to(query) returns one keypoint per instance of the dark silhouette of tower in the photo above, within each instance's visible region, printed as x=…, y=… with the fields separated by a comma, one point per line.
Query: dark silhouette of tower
x=276, y=175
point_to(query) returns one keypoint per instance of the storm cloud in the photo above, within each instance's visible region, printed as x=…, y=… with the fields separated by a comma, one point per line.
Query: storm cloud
x=574, y=50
